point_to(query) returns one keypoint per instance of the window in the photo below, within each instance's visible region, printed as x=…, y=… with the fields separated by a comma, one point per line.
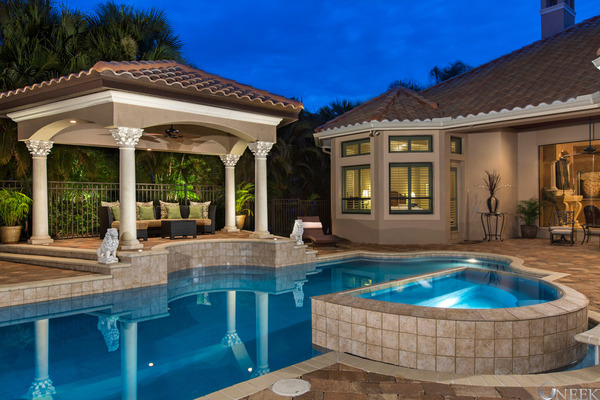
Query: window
x=356, y=148
x=356, y=189
x=411, y=188
x=453, y=199
x=456, y=145
x=410, y=144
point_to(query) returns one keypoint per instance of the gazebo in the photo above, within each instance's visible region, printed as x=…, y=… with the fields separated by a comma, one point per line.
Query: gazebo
x=130, y=105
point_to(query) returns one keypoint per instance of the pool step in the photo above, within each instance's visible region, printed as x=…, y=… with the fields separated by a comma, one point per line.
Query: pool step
x=76, y=264
x=50, y=251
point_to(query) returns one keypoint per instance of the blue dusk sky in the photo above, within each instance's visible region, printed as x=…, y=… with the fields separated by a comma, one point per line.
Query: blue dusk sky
x=322, y=50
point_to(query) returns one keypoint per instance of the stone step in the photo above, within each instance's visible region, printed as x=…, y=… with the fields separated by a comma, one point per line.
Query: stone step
x=50, y=251
x=61, y=262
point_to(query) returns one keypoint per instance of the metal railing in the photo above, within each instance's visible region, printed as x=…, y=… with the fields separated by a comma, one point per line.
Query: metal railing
x=73, y=206
x=283, y=213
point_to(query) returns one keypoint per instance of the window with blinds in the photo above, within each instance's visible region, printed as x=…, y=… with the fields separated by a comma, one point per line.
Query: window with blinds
x=356, y=148
x=411, y=188
x=410, y=144
x=456, y=145
x=356, y=189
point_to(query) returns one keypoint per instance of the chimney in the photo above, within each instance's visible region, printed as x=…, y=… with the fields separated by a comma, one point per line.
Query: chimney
x=556, y=16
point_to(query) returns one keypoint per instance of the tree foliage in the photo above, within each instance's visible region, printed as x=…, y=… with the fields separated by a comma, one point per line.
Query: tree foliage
x=440, y=74
x=408, y=84
x=39, y=41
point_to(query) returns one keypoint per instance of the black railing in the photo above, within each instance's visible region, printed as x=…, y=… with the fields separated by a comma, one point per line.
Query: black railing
x=283, y=213
x=73, y=206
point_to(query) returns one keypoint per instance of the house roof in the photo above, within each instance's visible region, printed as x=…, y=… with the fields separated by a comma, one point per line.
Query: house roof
x=167, y=75
x=556, y=69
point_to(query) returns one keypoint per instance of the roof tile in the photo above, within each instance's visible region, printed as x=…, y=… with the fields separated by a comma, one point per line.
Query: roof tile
x=172, y=73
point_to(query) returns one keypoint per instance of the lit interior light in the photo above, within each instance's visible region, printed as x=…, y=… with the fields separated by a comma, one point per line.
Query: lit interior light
x=73, y=121
x=151, y=364
x=148, y=149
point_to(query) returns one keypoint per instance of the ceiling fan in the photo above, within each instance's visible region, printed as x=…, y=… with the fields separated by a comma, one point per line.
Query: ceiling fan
x=589, y=149
x=170, y=133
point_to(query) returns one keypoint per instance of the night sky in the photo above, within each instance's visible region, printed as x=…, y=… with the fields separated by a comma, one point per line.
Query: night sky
x=322, y=50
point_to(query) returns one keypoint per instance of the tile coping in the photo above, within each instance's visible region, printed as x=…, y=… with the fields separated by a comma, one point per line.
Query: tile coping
x=250, y=387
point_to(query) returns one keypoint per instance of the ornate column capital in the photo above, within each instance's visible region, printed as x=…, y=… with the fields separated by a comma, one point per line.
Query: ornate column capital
x=126, y=137
x=260, y=149
x=229, y=159
x=39, y=148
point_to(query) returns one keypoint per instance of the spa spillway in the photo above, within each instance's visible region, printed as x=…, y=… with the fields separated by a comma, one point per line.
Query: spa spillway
x=463, y=320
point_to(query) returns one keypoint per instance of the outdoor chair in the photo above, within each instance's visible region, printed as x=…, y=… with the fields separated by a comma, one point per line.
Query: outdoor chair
x=313, y=231
x=563, y=226
x=592, y=222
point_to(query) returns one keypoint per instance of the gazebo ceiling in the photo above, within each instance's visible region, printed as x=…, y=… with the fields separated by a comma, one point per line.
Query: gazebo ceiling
x=213, y=115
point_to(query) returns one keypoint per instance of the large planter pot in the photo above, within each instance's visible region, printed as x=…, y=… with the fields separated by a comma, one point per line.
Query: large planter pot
x=239, y=221
x=492, y=204
x=10, y=234
x=529, y=231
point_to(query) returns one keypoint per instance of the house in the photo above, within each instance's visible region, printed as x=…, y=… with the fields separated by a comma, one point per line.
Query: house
x=407, y=167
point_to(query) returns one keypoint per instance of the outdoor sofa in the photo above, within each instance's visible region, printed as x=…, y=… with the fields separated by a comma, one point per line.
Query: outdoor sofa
x=203, y=225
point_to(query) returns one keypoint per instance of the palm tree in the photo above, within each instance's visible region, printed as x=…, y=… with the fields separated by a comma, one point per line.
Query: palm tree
x=440, y=74
x=121, y=33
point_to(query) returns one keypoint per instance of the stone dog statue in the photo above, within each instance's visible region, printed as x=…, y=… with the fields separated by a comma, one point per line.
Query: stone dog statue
x=107, y=253
x=297, y=232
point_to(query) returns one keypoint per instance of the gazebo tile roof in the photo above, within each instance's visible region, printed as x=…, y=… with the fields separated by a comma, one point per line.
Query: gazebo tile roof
x=555, y=69
x=171, y=74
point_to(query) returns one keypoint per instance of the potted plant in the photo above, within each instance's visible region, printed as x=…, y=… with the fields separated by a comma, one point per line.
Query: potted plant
x=243, y=195
x=14, y=207
x=529, y=211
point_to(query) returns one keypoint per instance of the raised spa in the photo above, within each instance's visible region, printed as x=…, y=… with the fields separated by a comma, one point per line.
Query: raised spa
x=461, y=321
x=467, y=288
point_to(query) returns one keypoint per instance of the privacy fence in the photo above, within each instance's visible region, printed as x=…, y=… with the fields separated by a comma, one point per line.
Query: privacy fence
x=73, y=206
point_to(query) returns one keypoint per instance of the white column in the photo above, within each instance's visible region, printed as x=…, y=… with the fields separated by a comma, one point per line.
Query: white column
x=42, y=385
x=230, y=160
x=129, y=360
x=231, y=337
x=127, y=138
x=262, y=334
x=39, y=149
x=261, y=210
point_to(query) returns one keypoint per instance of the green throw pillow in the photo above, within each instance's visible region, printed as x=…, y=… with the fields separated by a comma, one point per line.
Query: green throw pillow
x=116, y=212
x=146, y=213
x=173, y=213
x=196, y=212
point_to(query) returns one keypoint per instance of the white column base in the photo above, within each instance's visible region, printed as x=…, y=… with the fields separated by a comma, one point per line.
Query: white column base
x=229, y=229
x=40, y=240
x=261, y=235
x=130, y=245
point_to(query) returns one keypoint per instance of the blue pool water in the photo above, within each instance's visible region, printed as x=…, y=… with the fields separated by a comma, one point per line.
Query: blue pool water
x=468, y=288
x=167, y=342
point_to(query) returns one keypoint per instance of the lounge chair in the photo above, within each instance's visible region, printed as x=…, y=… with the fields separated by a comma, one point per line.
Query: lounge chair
x=313, y=231
x=563, y=226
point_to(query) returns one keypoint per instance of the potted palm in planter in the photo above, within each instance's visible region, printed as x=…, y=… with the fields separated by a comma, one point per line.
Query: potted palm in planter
x=14, y=207
x=529, y=211
x=243, y=195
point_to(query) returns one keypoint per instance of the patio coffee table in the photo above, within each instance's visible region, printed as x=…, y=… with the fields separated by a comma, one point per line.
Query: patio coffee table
x=177, y=227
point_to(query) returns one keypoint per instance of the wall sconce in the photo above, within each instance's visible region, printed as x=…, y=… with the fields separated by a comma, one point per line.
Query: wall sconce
x=374, y=133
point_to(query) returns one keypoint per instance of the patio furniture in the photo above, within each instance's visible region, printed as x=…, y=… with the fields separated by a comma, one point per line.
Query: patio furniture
x=177, y=227
x=313, y=231
x=563, y=226
x=592, y=222
x=154, y=228
x=141, y=228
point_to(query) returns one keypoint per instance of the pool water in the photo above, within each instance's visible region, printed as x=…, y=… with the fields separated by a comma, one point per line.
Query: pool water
x=206, y=330
x=468, y=289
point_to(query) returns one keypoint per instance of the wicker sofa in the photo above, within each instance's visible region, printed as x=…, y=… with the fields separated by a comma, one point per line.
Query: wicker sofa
x=154, y=225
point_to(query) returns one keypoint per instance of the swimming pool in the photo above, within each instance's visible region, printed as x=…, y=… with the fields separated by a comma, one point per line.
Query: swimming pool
x=468, y=288
x=167, y=342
